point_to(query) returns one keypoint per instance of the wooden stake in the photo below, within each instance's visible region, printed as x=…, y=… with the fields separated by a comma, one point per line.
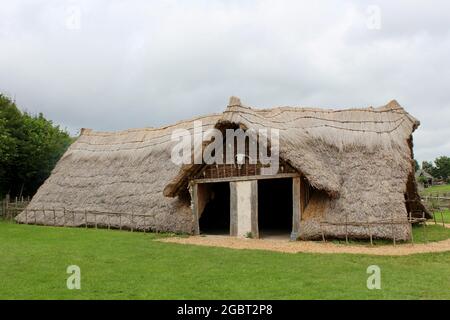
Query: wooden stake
x=346, y=228
x=323, y=234
x=145, y=224
x=393, y=231
x=424, y=227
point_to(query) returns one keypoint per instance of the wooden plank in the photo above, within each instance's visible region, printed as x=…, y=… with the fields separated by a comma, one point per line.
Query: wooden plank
x=233, y=209
x=297, y=207
x=247, y=178
x=254, y=208
x=195, y=209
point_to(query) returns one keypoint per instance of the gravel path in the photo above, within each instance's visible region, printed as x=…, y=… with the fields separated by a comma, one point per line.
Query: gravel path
x=312, y=246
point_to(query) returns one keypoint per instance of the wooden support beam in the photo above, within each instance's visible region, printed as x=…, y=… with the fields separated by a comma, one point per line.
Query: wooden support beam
x=247, y=178
x=254, y=209
x=233, y=209
x=297, y=204
x=195, y=208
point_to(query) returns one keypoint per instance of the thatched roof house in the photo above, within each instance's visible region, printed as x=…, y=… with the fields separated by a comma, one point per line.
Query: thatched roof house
x=344, y=172
x=424, y=179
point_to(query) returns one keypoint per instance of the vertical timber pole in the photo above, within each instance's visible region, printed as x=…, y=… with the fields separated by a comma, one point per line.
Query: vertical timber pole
x=254, y=209
x=195, y=208
x=297, y=204
x=233, y=210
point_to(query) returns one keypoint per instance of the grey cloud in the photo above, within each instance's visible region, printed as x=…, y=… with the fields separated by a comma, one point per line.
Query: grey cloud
x=147, y=63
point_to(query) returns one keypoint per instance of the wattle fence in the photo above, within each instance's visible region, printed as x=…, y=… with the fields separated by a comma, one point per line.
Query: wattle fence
x=437, y=201
x=11, y=207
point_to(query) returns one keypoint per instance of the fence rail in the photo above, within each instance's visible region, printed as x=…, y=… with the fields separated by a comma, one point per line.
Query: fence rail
x=9, y=208
x=437, y=201
x=63, y=217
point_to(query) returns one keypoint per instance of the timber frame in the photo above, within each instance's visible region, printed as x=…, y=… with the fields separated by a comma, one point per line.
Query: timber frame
x=247, y=187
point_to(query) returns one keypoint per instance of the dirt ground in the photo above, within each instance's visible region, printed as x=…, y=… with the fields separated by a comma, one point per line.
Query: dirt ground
x=287, y=246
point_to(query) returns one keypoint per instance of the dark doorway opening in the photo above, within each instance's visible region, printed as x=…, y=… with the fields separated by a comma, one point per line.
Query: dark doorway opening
x=275, y=208
x=215, y=219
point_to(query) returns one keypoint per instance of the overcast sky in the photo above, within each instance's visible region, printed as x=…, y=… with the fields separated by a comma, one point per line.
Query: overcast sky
x=111, y=65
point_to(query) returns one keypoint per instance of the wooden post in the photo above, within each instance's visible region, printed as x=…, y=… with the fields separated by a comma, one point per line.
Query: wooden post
x=323, y=233
x=370, y=231
x=7, y=206
x=233, y=209
x=120, y=221
x=442, y=217
x=392, y=228
x=132, y=221
x=195, y=208
x=254, y=209
x=346, y=228
x=54, y=217
x=297, y=202
x=85, y=219
x=109, y=222
x=412, y=235
x=424, y=227
x=145, y=224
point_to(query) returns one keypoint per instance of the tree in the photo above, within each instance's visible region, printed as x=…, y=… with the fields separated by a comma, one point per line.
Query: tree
x=442, y=167
x=428, y=167
x=416, y=165
x=30, y=146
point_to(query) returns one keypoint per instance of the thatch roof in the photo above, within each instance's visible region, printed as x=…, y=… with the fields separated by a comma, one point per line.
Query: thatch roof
x=361, y=158
x=423, y=173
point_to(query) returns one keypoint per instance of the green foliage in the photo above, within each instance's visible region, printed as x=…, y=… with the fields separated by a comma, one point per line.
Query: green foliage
x=442, y=167
x=30, y=146
x=428, y=167
x=422, y=180
x=416, y=165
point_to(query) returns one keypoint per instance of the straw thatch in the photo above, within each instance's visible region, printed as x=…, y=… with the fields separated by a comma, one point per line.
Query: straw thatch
x=360, y=158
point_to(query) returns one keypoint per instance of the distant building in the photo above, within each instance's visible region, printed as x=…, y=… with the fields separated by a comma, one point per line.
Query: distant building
x=424, y=179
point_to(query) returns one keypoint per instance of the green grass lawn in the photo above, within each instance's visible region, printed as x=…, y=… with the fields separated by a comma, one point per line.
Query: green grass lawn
x=125, y=265
x=432, y=233
x=445, y=215
x=441, y=189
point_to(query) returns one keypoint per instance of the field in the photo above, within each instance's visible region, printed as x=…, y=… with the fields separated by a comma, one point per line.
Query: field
x=434, y=189
x=125, y=265
x=441, y=190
